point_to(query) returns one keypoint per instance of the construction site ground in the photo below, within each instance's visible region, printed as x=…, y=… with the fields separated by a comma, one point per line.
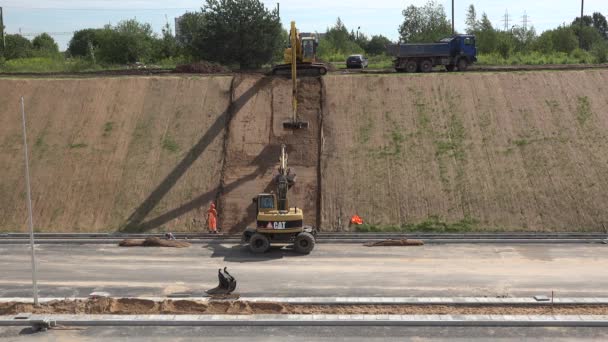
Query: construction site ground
x=466, y=270
x=490, y=151
x=133, y=306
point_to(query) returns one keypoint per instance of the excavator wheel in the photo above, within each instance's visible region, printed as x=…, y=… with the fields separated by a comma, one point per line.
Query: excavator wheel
x=259, y=243
x=304, y=243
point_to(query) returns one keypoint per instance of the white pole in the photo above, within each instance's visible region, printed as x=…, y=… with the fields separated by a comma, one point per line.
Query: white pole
x=29, y=208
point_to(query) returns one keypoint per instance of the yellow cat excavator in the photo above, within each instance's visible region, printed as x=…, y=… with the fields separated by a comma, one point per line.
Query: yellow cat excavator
x=276, y=222
x=300, y=56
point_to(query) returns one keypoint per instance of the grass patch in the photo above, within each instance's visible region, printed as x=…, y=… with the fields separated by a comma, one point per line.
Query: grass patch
x=431, y=225
x=583, y=110
x=107, y=128
x=48, y=64
x=170, y=144
x=521, y=142
x=77, y=145
x=536, y=58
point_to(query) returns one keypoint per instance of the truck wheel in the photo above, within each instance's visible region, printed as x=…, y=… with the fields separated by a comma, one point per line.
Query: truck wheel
x=462, y=64
x=426, y=66
x=449, y=68
x=259, y=243
x=304, y=243
x=411, y=66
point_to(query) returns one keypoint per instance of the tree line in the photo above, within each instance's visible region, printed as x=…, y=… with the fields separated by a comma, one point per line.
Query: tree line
x=247, y=34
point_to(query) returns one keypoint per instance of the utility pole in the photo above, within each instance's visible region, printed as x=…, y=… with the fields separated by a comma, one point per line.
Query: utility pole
x=580, y=34
x=2, y=29
x=29, y=208
x=279, y=10
x=453, y=31
x=524, y=21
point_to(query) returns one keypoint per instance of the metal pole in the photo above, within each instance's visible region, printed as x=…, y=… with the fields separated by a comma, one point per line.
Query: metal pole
x=278, y=10
x=580, y=34
x=29, y=207
x=453, y=31
x=2, y=29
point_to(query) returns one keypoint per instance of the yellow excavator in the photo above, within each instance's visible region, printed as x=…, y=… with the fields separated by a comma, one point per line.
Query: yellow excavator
x=300, y=56
x=276, y=222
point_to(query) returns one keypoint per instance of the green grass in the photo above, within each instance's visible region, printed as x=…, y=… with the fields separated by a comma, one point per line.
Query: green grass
x=431, y=225
x=107, y=128
x=77, y=145
x=170, y=144
x=47, y=64
x=521, y=142
x=536, y=58
x=583, y=111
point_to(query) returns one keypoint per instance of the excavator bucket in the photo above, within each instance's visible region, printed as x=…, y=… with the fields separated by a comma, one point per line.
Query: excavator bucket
x=295, y=124
x=227, y=284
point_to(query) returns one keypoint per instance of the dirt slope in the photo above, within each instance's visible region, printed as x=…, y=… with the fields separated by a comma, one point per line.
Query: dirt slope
x=111, y=153
x=517, y=151
x=505, y=151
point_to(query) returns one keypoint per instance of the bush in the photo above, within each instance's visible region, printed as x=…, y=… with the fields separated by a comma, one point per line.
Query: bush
x=600, y=52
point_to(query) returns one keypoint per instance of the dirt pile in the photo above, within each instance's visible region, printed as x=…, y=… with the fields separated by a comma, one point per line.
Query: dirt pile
x=153, y=242
x=142, y=307
x=392, y=242
x=502, y=151
x=201, y=67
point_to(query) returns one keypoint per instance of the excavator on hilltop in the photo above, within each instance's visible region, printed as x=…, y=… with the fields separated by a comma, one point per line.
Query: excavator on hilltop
x=276, y=222
x=301, y=55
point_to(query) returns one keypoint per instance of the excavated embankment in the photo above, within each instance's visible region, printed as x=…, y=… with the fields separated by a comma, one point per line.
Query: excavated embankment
x=497, y=151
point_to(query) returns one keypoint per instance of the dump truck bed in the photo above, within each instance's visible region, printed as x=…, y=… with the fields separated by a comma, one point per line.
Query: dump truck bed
x=419, y=50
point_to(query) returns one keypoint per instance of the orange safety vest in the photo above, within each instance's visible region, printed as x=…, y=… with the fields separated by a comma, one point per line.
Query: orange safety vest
x=356, y=220
x=211, y=218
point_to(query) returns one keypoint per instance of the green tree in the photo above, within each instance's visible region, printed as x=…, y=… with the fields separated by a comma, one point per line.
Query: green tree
x=564, y=39
x=17, y=47
x=471, y=21
x=129, y=41
x=239, y=32
x=486, y=35
x=45, y=45
x=377, y=45
x=424, y=24
x=83, y=41
x=600, y=24
x=338, y=41
x=166, y=46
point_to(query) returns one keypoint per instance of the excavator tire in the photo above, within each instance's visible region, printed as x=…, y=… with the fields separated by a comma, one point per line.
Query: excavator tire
x=259, y=243
x=304, y=243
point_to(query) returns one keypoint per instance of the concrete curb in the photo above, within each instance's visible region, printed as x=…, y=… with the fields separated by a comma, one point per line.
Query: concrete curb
x=481, y=301
x=309, y=320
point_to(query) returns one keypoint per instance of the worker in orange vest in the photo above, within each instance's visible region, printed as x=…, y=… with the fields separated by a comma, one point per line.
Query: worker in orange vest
x=212, y=219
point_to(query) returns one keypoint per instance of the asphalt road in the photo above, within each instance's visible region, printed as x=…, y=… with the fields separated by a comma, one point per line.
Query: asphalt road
x=282, y=334
x=571, y=270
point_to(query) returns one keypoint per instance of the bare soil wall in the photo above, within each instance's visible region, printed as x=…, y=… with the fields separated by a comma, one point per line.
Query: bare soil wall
x=507, y=151
x=134, y=153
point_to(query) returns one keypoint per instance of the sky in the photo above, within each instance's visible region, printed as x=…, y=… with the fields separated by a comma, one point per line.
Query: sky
x=62, y=17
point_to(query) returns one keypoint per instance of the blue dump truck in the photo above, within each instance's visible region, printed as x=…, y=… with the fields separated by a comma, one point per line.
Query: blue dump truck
x=456, y=52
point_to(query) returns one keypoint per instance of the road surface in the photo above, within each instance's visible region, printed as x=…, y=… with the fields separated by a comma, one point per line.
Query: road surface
x=571, y=270
x=282, y=334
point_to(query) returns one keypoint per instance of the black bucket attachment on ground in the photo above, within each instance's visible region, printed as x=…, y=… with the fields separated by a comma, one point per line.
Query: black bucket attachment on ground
x=226, y=286
x=295, y=124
